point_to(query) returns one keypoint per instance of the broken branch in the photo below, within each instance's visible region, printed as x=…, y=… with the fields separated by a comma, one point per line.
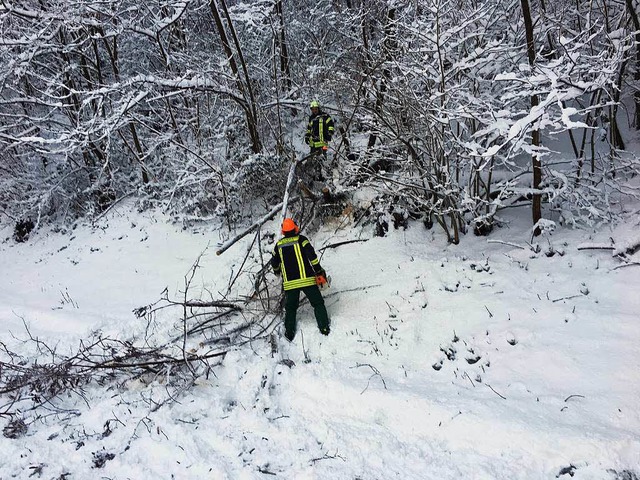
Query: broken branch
x=272, y=213
x=335, y=245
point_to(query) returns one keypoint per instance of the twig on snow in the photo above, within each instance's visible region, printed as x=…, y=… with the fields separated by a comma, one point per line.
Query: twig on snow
x=596, y=247
x=335, y=245
x=264, y=471
x=215, y=303
x=306, y=352
x=506, y=243
x=467, y=375
x=573, y=396
x=630, y=264
x=376, y=372
x=326, y=456
x=492, y=389
x=568, y=298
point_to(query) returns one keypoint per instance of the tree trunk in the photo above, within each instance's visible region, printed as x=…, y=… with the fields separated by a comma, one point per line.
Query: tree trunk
x=281, y=40
x=636, y=26
x=249, y=104
x=536, y=206
x=389, y=47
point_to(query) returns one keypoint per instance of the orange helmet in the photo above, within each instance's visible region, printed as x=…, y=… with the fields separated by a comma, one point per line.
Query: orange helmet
x=288, y=226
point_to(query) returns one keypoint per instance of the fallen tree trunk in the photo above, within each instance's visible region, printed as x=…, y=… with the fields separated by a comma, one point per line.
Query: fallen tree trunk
x=272, y=213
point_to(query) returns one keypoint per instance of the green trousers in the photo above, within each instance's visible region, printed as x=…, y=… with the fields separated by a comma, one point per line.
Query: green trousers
x=292, y=300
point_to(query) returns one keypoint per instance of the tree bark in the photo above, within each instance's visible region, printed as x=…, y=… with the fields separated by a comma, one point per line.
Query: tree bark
x=390, y=47
x=249, y=104
x=636, y=26
x=281, y=40
x=536, y=206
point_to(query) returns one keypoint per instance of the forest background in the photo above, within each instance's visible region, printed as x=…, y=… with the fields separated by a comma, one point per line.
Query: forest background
x=450, y=109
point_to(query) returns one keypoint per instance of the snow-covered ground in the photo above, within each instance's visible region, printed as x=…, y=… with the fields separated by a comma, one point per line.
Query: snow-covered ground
x=484, y=360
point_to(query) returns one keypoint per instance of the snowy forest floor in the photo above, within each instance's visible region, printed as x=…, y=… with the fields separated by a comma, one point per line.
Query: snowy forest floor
x=486, y=360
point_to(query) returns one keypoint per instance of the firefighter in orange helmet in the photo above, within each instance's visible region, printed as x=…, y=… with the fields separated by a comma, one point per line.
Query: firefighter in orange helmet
x=295, y=259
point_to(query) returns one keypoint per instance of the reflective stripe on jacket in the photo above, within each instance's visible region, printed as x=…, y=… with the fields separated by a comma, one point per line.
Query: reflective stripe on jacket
x=296, y=259
x=319, y=130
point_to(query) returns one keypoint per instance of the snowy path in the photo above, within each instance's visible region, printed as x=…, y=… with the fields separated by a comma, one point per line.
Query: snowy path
x=482, y=362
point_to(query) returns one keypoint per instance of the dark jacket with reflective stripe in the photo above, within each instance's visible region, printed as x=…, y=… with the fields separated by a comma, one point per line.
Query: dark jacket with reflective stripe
x=319, y=130
x=296, y=260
